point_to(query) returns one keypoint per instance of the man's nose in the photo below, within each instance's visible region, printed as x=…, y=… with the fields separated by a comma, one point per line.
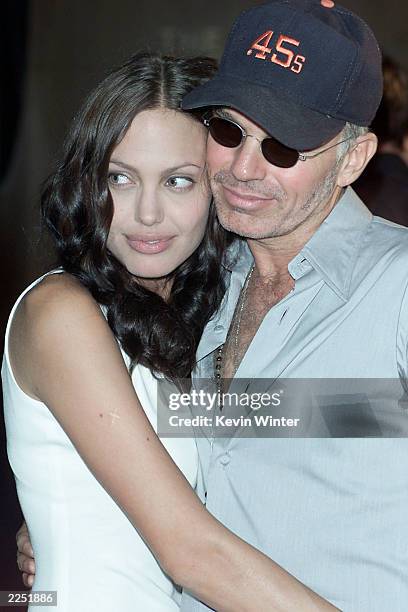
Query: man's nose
x=248, y=162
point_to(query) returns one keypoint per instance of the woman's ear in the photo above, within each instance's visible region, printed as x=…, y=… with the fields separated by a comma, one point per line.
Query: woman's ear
x=354, y=162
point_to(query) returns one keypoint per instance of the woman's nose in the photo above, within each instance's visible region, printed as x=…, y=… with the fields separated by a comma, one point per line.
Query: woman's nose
x=148, y=209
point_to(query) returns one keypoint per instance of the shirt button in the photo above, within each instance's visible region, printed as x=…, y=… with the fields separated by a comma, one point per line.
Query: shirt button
x=218, y=328
x=225, y=459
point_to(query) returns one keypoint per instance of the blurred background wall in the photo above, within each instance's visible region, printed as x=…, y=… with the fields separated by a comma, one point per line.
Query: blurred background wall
x=53, y=53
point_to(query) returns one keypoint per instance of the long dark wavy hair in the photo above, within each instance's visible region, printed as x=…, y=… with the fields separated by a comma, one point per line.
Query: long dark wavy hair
x=77, y=209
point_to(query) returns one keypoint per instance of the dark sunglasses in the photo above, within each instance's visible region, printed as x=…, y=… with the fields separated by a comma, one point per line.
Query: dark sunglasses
x=229, y=134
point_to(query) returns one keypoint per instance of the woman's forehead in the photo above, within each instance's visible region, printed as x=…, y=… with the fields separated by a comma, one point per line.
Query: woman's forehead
x=162, y=138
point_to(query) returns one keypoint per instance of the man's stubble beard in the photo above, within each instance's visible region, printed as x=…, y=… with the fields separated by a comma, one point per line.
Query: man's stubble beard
x=314, y=201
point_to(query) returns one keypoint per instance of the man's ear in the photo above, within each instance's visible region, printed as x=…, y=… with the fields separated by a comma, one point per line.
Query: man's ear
x=362, y=150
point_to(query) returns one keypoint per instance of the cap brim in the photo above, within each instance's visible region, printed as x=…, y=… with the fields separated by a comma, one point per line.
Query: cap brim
x=294, y=125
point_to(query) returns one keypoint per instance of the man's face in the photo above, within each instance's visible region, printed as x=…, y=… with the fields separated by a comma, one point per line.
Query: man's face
x=258, y=200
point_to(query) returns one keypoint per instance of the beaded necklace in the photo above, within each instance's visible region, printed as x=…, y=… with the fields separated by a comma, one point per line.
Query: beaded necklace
x=236, y=323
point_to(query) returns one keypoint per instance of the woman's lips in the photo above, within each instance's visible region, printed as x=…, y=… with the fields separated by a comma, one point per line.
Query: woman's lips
x=149, y=245
x=243, y=200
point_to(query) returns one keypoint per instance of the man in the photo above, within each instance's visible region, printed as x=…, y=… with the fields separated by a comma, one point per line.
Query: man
x=320, y=293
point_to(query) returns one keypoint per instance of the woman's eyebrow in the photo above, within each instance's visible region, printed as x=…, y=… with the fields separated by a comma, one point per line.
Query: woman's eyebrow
x=131, y=168
x=122, y=164
x=184, y=165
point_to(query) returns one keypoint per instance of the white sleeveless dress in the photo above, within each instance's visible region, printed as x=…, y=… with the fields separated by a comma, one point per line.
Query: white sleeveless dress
x=85, y=548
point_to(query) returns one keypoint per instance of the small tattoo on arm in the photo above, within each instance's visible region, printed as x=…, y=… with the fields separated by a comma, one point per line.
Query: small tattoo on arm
x=114, y=415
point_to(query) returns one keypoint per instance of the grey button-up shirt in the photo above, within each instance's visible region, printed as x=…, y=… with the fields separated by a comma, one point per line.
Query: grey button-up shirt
x=332, y=511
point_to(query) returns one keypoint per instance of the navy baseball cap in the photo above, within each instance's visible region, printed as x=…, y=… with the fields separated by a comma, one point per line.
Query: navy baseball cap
x=300, y=69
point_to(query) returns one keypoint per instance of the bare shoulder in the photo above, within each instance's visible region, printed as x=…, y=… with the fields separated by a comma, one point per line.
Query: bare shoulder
x=58, y=310
x=55, y=289
x=55, y=298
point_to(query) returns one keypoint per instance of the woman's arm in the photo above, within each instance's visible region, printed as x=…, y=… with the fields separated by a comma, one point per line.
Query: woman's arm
x=64, y=354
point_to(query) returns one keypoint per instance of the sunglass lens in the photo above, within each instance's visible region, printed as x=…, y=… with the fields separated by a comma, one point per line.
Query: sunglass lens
x=225, y=132
x=228, y=134
x=278, y=154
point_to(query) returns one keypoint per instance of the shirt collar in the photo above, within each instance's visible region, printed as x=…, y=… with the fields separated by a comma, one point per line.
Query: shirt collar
x=238, y=256
x=332, y=250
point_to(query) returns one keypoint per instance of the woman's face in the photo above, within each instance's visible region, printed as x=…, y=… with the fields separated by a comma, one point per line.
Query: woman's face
x=158, y=182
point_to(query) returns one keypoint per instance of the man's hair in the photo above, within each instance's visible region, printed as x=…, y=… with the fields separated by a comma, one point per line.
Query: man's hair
x=352, y=132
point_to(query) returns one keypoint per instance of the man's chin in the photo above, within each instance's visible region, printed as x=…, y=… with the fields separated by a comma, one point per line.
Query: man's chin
x=243, y=225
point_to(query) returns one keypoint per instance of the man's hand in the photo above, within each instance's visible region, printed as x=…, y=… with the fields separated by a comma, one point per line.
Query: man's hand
x=25, y=556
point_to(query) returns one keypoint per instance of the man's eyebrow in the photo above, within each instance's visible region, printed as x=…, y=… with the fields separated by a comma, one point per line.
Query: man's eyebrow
x=223, y=112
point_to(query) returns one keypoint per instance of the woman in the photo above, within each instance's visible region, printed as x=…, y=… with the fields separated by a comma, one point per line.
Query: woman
x=129, y=210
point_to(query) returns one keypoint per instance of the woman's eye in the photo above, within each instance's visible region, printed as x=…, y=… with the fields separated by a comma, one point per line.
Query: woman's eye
x=179, y=182
x=116, y=178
